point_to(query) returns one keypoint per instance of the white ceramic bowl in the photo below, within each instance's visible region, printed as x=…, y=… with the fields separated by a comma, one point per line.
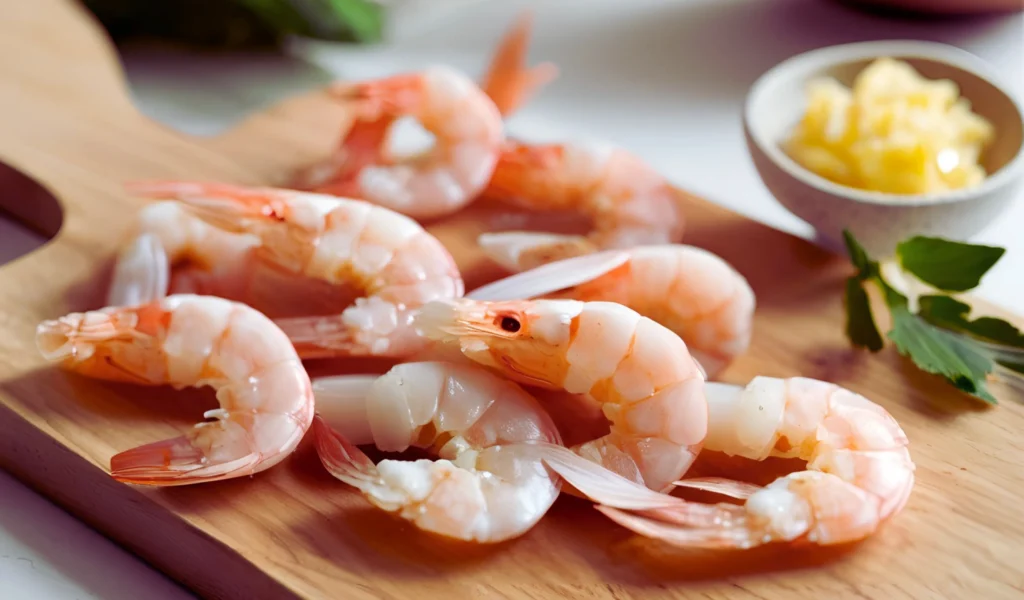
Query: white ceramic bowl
x=776, y=103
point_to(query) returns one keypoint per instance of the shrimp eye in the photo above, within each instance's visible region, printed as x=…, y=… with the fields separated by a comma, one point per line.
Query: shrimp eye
x=510, y=324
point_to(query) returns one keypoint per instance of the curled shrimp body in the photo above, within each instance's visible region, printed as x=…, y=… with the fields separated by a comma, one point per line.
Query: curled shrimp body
x=265, y=396
x=648, y=385
x=687, y=289
x=389, y=257
x=467, y=129
x=859, y=470
x=629, y=203
x=488, y=485
x=165, y=236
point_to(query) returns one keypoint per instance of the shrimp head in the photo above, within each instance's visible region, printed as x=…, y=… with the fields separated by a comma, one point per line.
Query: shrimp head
x=648, y=385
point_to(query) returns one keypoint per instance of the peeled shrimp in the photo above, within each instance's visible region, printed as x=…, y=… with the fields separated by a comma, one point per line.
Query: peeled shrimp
x=467, y=129
x=642, y=374
x=343, y=242
x=487, y=486
x=687, y=289
x=167, y=235
x=859, y=471
x=266, y=399
x=629, y=203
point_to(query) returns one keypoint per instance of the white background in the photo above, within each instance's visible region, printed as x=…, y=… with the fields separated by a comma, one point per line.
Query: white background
x=688, y=64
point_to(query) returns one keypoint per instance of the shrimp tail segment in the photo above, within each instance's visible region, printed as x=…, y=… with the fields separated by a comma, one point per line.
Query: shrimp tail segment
x=381, y=99
x=175, y=461
x=341, y=458
x=654, y=514
x=508, y=81
x=733, y=535
x=602, y=485
x=142, y=273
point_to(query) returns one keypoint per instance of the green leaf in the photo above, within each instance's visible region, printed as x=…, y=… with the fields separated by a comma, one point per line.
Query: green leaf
x=866, y=268
x=860, y=322
x=963, y=362
x=365, y=19
x=949, y=313
x=947, y=265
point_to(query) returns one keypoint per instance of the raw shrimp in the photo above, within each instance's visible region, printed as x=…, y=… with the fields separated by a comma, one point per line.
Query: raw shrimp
x=691, y=291
x=468, y=144
x=629, y=203
x=488, y=485
x=642, y=374
x=167, y=235
x=340, y=241
x=859, y=473
x=467, y=129
x=265, y=396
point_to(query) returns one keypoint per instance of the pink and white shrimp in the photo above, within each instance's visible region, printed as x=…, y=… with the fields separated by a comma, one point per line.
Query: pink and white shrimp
x=689, y=290
x=628, y=202
x=464, y=118
x=265, y=395
x=467, y=129
x=642, y=374
x=488, y=485
x=349, y=244
x=859, y=471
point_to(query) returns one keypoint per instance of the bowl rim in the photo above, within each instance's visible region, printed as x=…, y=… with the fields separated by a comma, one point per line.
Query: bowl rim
x=858, y=51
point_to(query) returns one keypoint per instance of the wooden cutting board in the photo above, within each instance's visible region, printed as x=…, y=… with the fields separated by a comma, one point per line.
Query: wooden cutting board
x=66, y=121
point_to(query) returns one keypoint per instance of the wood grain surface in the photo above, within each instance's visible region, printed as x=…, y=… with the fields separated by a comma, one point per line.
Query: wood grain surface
x=293, y=531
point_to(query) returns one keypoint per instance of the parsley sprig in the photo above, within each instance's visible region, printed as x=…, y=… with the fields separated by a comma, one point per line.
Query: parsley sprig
x=938, y=337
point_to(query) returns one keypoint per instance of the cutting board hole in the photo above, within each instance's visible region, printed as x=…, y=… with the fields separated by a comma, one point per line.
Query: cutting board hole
x=29, y=214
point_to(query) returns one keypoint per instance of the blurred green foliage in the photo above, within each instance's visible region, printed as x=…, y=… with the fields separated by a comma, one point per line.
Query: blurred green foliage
x=231, y=24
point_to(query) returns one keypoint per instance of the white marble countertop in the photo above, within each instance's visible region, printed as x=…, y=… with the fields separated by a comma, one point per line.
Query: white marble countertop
x=689, y=64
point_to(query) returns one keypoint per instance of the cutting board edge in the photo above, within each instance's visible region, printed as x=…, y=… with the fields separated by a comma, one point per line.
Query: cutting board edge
x=134, y=521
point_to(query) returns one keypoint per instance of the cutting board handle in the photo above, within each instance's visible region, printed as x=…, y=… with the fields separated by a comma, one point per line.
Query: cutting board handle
x=69, y=124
